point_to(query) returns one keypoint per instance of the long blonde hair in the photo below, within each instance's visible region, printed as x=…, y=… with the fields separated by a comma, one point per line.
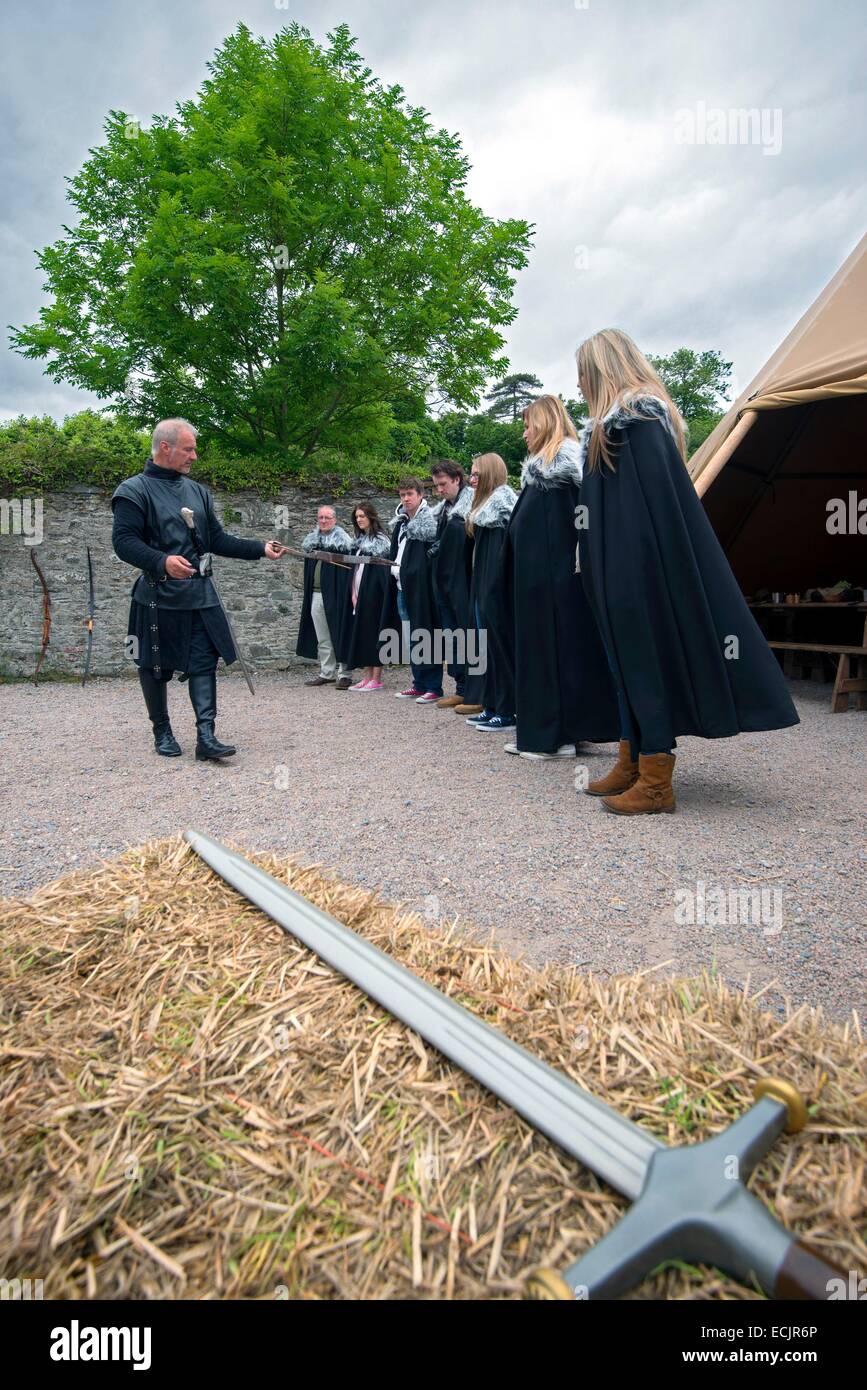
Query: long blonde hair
x=549, y=426
x=492, y=473
x=612, y=371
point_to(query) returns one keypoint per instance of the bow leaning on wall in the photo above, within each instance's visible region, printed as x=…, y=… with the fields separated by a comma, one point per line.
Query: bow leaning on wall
x=46, y=614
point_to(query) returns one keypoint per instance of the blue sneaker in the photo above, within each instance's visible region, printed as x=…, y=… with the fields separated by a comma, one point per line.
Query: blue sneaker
x=480, y=718
x=497, y=723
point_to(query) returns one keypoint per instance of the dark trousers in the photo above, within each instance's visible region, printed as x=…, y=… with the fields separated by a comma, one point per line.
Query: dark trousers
x=629, y=730
x=449, y=623
x=424, y=678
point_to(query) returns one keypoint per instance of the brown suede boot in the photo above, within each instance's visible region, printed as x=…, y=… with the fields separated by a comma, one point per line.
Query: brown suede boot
x=652, y=792
x=621, y=777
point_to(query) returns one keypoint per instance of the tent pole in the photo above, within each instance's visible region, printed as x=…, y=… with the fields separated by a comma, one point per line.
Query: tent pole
x=803, y=415
x=724, y=453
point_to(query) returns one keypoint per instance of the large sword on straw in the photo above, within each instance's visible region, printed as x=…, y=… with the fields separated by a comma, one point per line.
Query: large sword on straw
x=687, y=1203
x=206, y=570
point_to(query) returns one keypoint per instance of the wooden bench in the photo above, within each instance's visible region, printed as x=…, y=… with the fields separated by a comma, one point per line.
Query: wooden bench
x=852, y=664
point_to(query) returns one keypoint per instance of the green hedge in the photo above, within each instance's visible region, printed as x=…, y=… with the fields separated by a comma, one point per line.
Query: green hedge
x=39, y=456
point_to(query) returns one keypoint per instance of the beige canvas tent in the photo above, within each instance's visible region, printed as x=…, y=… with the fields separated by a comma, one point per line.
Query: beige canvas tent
x=793, y=442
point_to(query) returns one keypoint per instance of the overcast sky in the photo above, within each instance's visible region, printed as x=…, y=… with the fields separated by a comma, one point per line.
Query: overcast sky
x=572, y=115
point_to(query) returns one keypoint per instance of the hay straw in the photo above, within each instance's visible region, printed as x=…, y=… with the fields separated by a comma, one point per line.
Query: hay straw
x=192, y=1106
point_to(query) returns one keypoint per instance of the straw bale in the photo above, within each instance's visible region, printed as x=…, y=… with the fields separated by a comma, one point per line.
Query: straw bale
x=193, y=1106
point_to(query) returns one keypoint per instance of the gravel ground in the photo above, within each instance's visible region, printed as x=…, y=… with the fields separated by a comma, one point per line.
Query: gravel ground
x=410, y=801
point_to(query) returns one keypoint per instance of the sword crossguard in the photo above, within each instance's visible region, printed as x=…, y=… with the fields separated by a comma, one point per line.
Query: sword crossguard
x=694, y=1206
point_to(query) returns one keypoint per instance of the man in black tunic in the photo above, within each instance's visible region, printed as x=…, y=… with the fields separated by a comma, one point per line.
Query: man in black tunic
x=175, y=616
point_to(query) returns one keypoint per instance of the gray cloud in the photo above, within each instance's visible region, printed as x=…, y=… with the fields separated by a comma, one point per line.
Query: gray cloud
x=569, y=117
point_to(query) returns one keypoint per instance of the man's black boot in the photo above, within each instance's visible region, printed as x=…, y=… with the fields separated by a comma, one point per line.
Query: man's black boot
x=156, y=699
x=203, y=694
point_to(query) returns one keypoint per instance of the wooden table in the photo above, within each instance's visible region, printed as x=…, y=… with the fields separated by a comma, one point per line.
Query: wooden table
x=852, y=663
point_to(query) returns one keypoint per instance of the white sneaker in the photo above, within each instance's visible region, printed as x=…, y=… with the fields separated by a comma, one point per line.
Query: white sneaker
x=566, y=750
x=510, y=747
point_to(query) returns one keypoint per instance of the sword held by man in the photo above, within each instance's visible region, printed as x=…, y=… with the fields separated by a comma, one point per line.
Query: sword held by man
x=337, y=557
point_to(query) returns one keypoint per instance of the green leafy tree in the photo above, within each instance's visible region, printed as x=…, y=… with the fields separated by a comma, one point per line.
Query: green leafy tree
x=453, y=424
x=510, y=396
x=700, y=427
x=487, y=436
x=696, y=381
x=280, y=259
x=576, y=409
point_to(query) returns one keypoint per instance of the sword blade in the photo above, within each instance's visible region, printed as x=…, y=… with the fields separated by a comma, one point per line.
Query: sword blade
x=617, y=1150
x=240, y=655
x=343, y=558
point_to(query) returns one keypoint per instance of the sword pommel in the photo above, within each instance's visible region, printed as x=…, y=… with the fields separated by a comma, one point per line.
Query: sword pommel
x=806, y=1274
x=187, y=514
x=788, y=1095
x=548, y=1285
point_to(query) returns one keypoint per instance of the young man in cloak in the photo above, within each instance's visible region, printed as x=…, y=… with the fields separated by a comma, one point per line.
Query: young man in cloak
x=410, y=606
x=451, y=555
x=176, y=618
x=326, y=594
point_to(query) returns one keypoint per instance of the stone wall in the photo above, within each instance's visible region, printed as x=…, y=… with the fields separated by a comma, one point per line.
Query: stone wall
x=263, y=598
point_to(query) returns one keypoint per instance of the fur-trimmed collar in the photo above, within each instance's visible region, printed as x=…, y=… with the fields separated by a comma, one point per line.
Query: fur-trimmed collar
x=630, y=408
x=335, y=539
x=371, y=545
x=496, y=509
x=460, y=507
x=423, y=526
x=564, y=468
x=400, y=515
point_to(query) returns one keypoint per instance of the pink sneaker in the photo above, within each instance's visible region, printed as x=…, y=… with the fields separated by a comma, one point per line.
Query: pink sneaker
x=359, y=685
x=410, y=694
x=374, y=685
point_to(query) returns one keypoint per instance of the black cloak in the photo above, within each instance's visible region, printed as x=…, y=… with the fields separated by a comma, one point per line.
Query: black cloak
x=334, y=583
x=415, y=573
x=666, y=600
x=360, y=633
x=495, y=689
x=563, y=686
x=451, y=557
